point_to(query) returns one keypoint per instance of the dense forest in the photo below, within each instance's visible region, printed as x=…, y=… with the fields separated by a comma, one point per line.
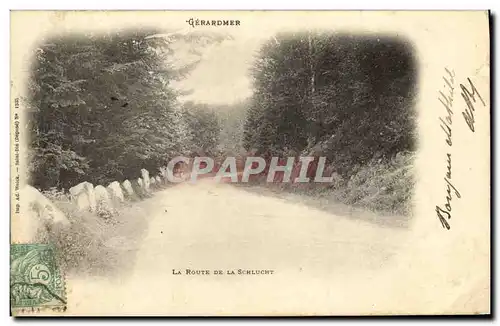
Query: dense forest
x=348, y=98
x=101, y=107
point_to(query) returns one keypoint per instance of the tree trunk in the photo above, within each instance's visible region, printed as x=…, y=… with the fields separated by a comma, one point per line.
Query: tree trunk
x=311, y=66
x=313, y=134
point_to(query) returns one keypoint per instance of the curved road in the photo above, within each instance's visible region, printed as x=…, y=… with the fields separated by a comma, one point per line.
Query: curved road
x=320, y=261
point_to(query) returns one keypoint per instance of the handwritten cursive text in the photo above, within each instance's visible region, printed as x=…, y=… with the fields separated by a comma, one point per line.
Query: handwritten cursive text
x=469, y=96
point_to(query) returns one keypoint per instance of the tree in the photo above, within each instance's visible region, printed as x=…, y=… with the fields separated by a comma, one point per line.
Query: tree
x=205, y=128
x=349, y=98
x=232, y=122
x=102, y=106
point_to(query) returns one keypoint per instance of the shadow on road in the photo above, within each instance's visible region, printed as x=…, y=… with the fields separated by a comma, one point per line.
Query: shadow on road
x=328, y=204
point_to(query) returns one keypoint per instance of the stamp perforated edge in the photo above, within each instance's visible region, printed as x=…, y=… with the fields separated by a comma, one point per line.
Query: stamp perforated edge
x=27, y=311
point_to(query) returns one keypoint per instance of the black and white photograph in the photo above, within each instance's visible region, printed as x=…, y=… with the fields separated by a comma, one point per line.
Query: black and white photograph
x=249, y=163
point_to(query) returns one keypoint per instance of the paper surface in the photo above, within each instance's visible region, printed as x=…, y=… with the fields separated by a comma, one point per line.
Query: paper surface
x=91, y=102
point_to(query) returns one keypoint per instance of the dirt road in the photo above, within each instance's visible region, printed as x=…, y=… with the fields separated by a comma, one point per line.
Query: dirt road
x=319, y=261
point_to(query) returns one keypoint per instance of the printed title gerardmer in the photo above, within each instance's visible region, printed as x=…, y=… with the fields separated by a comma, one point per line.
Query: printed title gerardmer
x=202, y=22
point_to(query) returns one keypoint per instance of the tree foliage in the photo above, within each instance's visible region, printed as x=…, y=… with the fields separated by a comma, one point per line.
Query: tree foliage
x=102, y=106
x=204, y=126
x=349, y=98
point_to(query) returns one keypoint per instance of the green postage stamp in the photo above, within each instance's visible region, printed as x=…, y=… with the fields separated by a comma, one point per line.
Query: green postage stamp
x=35, y=279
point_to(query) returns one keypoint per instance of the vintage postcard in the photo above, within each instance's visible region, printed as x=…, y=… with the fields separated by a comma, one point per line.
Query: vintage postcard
x=250, y=163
